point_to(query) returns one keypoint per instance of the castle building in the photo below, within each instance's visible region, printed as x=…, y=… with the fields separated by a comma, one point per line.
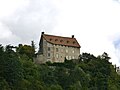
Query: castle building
x=56, y=48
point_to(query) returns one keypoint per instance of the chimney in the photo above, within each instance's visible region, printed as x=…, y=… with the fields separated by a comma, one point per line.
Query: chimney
x=42, y=33
x=72, y=36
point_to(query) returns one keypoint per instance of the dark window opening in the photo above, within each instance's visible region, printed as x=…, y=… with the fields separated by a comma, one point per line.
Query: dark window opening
x=56, y=39
x=73, y=42
x=48, y=48
x=61, y=40
x=50, y=39
x=48, y=54
x=67, y=41
x=56, y=49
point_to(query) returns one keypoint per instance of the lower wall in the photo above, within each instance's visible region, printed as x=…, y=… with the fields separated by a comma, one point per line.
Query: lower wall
x=40, y=59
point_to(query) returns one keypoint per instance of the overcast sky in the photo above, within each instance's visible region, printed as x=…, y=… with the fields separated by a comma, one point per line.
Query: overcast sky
x=95, y=23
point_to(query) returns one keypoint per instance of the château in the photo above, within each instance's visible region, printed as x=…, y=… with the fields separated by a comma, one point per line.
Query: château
x=56, y=48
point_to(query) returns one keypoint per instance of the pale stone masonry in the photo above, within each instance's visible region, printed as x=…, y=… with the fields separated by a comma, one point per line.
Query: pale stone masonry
x=57, y=48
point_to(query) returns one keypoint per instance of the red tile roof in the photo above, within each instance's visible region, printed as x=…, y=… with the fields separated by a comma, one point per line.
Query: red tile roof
x=58, y=40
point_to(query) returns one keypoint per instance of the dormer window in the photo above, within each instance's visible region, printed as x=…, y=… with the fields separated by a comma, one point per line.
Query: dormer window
x=56, y=39
x=50, y=39
x=67, y=41
x=73, y=42
x=61, y=40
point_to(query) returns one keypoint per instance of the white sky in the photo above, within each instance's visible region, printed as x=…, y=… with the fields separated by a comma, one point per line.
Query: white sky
x=95, y=23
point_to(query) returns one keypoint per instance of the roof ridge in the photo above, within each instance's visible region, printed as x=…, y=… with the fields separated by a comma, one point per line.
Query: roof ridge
x=58, y=36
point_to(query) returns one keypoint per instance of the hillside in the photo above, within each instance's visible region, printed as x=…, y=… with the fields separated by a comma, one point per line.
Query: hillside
x=19, y=72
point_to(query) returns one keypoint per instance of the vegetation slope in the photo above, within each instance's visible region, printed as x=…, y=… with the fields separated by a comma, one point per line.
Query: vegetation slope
x=19, y=72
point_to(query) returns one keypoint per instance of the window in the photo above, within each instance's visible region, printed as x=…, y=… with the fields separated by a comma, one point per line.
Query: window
x=66, y=57
x=56, y=39
x=56, y=49
x=66, y=51
x=69, y=57
x=48, y=54
x=73, y=42
x=57, y=55
x=67, y=41
x=48, y=48
x=61, y=40
x=73, y=51
x=61, y=50
x=73, y=57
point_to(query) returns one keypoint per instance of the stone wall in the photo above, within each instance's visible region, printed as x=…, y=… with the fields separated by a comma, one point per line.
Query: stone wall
x=57, y=53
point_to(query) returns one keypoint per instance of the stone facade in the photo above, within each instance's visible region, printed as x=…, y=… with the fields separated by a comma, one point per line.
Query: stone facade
x=57, y=48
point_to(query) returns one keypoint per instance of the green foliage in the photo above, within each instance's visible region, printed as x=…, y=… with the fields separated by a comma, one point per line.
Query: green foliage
x=3, y=84
x=55, y=87
x=10, y=66
x=76, y=86
x=26, y=50
x=19, y=72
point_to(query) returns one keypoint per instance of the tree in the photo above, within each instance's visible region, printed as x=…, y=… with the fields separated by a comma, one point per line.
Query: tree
x=33, y=45
x=55, y=87
x=86, y=57
x=3, y=84
x=26, y=50
x=12, y=70
x=104, y=56
x=18, y=72
x=76, y=86
x=1, y=60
